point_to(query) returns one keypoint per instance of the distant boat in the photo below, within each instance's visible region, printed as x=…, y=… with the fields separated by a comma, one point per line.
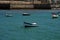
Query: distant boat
x=55, y=15
x=8, y=15
x=30, y=24
x=26, y=14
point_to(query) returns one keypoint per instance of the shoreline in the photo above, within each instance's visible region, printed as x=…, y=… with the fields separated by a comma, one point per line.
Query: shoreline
x=29, y=9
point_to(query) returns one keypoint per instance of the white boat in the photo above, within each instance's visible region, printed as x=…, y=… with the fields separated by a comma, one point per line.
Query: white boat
x=55, y=16
x=26, y=14
x=8, y=15
x=30, y=24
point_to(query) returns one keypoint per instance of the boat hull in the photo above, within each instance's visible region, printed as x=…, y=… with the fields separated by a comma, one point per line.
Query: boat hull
x=54, y=17
x=26, y=14
x=30, y=26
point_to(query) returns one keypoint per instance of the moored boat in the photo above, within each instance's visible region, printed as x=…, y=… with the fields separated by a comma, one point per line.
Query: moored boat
x=30, y=24
x=26, y=14
x=8, y=15
x=55, y=15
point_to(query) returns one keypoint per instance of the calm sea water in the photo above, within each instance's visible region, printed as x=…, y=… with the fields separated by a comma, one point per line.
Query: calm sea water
x=12, y=28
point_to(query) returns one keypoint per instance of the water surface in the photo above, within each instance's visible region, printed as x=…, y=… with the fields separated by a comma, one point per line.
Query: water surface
x=12, y=28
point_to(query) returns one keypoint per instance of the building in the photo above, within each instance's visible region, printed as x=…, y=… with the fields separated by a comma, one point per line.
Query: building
x=27, y=3
x=55, y=4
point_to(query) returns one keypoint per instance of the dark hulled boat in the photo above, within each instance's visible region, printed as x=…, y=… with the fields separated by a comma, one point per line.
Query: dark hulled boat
x=30, y=24
x=26, y=14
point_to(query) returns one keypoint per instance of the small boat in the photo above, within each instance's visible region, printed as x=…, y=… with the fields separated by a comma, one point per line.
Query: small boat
x=26, y=14
x=8, y=15
x=54, y=15
x=30, y=24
